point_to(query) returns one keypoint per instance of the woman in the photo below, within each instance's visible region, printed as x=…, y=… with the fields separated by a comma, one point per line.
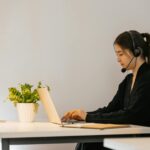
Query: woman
x=131, y=103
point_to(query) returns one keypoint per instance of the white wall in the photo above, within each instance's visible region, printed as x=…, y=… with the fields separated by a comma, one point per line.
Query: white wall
x=67, y=44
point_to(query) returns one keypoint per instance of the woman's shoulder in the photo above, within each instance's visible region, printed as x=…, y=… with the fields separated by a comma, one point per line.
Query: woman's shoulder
x=146, y=74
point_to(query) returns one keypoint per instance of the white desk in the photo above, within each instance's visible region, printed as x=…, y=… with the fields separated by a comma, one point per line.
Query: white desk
x=15, y=133
x=128, y=143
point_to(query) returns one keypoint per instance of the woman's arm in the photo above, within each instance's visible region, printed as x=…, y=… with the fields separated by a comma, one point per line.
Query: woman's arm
x=135, y=113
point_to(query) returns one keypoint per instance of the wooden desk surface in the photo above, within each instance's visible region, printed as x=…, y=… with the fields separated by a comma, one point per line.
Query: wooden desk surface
x=45, y=129
x=16, y=133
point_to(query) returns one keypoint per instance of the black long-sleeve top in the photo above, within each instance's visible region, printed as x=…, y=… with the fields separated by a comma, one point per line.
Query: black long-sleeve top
x=128, y=107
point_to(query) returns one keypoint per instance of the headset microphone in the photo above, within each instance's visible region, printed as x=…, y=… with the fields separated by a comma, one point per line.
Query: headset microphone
x=123, y=70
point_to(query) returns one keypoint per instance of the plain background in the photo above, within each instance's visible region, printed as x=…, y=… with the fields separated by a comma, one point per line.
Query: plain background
x=67, y=44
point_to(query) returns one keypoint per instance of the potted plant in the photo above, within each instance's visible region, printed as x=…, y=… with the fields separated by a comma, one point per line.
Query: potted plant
x=26, y=99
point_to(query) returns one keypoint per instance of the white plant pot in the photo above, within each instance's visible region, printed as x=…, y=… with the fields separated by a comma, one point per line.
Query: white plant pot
x=26, y=112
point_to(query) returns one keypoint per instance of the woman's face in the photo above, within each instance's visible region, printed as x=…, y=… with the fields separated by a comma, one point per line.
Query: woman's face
x=124, y=57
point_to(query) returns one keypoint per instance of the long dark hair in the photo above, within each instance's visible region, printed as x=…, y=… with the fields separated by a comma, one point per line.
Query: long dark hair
x=141, y=40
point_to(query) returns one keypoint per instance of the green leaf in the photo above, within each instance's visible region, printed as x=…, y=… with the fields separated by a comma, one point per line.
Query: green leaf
x=25, y=93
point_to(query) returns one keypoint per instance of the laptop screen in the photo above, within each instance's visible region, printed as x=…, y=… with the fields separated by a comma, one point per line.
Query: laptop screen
x=49, y=106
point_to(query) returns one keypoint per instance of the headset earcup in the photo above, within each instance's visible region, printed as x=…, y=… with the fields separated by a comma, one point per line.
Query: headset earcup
x=137, y=51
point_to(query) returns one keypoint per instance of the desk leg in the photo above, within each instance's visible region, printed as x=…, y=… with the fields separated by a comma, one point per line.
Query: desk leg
x=5, y=144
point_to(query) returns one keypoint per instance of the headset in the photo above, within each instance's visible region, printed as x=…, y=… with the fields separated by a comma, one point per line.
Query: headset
x=136, y=50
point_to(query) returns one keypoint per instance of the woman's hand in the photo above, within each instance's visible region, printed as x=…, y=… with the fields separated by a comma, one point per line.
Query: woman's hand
x=76, y=114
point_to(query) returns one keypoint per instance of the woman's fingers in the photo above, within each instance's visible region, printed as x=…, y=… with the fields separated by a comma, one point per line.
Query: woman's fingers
x=76, y=114
x=69, y=115
x=66, y=117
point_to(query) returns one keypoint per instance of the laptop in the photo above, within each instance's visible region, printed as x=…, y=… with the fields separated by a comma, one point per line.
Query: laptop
x=53, y=116
x=50, y=108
